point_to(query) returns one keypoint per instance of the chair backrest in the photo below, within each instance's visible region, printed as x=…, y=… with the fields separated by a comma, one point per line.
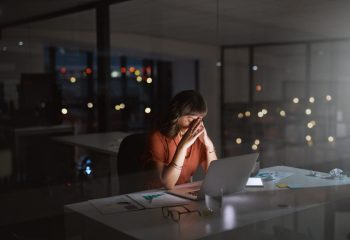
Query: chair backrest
x=129, y=165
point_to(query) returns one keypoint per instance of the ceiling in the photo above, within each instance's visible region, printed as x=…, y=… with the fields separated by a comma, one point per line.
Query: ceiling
x=213, y=22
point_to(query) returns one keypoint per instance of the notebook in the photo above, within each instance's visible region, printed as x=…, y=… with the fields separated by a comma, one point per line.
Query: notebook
x=224, y=176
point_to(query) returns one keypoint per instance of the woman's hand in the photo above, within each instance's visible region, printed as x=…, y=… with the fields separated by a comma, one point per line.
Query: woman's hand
x=210, y=150
x=171, y=173
x=206, y=140
x=193, y=132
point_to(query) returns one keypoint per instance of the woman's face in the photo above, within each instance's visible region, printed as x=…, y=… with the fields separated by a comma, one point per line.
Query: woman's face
x=185, y=121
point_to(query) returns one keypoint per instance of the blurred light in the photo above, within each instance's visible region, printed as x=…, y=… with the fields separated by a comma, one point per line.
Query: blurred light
x=218, y=64
x=149, y=80
x=257, y=142
x=328, y=97
x=63, y=70
x=64, y=111
x=149, y=70
x=311, y=99
x=123, y=69
x=308, y=138
x=42, y=104
x=20, y=43
x=117, y=107
x=122, y=106
x=240, y=115
x=264, y=111
x=115, y=74
x=254, y=67
x=132, y=69
x=295, y=100
x=258, y=88
x=238, y=140
x=72, y=79
x=260, y=114
x=308, y=111
x=4, y=48
x=88, y=170
x=88, y=70
x=139, y=79
x=282, y=113
x=330, y=139
x=147, y=110
x=254, y=147
x=310, y=125
x=90, y=105
x=137, y=72
x=247, y=113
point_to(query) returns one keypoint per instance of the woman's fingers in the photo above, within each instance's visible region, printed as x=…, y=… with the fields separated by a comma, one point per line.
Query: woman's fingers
x=198, y=133
x=196, y=125
x=193, y=127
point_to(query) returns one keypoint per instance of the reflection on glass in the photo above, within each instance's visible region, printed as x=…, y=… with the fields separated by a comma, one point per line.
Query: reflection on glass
x=229, y=217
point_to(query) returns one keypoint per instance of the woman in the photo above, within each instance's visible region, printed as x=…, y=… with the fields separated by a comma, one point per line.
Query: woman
x=181, y=143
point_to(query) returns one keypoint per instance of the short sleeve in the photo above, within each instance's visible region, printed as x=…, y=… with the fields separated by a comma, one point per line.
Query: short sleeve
x=158, y=148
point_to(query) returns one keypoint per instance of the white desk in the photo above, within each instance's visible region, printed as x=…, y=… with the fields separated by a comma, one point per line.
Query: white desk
x=244, y=213
x=106, y=143
x=101, y=142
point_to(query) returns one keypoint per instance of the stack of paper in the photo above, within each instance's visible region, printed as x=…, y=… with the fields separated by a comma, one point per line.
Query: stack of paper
x=115, y=204
x=157, y=199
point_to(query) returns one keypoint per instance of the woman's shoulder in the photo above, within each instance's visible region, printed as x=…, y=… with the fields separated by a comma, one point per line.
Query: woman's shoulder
x=156, y=136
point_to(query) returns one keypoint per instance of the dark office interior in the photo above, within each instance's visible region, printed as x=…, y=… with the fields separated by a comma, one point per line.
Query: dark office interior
x=78, y=76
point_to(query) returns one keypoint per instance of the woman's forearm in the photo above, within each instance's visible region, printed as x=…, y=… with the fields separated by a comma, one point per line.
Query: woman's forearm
x=211, y=154
x=171, y=173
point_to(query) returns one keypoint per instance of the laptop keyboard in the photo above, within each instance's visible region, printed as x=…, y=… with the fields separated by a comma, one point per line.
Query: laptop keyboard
x=194, y=193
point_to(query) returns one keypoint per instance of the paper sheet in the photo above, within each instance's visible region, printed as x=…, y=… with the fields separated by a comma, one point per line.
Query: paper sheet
x=158, y=199
x=115, y=204
x=254, y=182
x=268, y=175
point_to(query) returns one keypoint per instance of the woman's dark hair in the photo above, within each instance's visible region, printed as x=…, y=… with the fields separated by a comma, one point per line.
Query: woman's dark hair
x=188, y=102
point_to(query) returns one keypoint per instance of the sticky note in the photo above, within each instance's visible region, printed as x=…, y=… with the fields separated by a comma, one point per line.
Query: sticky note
x=281, y=185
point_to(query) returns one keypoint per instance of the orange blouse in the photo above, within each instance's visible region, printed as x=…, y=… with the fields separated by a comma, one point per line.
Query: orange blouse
x=162, y=149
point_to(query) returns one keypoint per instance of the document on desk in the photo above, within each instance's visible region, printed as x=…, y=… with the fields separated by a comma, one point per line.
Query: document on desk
x=268, y=175
x=115, y=204
x=157, y=199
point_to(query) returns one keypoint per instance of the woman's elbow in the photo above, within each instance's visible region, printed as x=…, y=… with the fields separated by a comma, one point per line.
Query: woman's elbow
x=168, y=185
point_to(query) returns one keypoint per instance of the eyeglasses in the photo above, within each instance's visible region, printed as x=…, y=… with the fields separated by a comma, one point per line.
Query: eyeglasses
x=175, y=214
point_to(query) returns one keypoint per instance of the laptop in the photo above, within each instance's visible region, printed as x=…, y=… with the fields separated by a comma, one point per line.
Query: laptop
x=224, y=176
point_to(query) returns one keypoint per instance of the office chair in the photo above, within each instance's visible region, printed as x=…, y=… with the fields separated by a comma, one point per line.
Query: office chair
x=130, y=169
